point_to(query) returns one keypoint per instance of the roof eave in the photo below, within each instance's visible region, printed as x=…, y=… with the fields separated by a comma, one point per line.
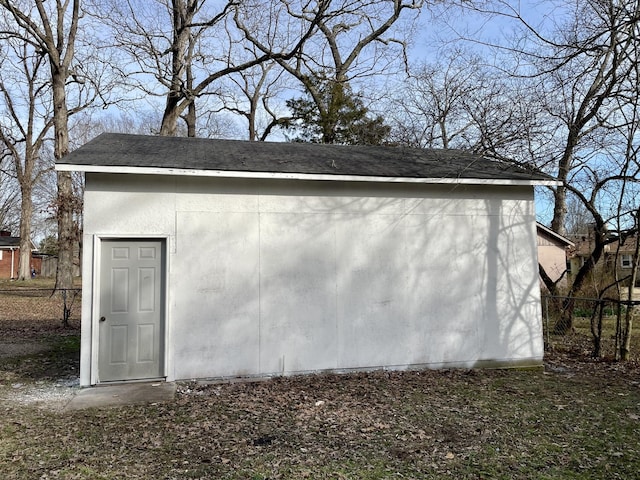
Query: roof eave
x=301, y=176
x=555, y=235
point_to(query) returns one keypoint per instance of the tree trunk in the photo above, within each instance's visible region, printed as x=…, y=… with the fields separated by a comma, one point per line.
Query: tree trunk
x=251, y=118
x=625, y=348
x=170, y=118
x=548, y=282
x=190, y=119
x=66, y=231
x=26, y=212
x=558, y=222
x=65, y=200
x=559, y=209
x=625, y=345
x=182, y=15
x=564, y=324
x=596, y=329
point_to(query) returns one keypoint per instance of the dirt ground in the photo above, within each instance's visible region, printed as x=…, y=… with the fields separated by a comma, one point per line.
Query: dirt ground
x=40, y=361
x=579, y=418
x=39, y=356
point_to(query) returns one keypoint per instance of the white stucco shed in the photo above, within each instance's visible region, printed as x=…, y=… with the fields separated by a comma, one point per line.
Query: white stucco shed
x=213, y=258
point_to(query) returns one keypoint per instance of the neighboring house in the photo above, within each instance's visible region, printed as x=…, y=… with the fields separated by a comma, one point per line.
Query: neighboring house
x=614, y=255
x=552, y=254
x=10, y=256
x=212, y=258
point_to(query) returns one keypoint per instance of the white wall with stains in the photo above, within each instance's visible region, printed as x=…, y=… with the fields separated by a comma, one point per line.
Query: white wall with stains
x=271, y=277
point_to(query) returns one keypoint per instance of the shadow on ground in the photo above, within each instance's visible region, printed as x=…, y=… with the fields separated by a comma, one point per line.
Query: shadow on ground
x=38, y=350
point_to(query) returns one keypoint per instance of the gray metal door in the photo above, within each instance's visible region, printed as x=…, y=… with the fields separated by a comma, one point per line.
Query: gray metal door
x=131, y=323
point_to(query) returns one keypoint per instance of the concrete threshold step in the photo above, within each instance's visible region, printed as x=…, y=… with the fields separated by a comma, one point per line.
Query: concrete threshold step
x=122, y=394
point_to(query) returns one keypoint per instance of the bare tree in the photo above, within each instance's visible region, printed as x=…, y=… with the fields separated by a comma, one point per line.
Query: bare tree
x=460, y=101
x=579, y=220
x=583, y=64
x=251, y=96
x=429, y=107
x=25, y=97
x=51, y=29
x=352, y=42
x=593, y=69
x=180, y=49
x=9, y=193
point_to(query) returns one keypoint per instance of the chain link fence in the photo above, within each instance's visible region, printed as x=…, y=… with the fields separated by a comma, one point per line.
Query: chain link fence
x=595, y=326
x=40, y=304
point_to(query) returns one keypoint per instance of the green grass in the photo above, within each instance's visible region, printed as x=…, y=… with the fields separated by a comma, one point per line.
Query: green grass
x=580, y=418
x=478, y=424
x=580, y=340
x=65, y=345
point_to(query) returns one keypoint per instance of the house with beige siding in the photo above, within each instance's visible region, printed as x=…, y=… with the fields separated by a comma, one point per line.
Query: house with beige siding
x=617, y=258
x=553, y=250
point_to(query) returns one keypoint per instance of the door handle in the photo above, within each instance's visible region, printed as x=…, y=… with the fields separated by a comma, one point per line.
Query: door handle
x=102, y=319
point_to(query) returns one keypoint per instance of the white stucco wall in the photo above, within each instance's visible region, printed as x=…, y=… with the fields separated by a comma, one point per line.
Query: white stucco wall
x=276, y=277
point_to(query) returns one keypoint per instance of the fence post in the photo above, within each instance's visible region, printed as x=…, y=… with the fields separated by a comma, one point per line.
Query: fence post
x=66, y=310
x=546, y=319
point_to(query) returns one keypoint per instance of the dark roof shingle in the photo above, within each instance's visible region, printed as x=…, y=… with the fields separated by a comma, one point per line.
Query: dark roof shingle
x=123, y=150
x=9, y=241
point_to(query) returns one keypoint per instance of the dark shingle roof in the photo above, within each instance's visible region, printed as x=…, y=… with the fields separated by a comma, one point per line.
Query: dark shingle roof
x=123, y=150
x=9, y=241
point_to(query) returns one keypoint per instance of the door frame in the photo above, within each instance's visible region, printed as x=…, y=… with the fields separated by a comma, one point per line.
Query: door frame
x=95, y=303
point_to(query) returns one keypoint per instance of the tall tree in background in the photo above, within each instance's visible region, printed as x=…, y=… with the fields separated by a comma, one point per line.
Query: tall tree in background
x=51, y=28
x=180, y=49
x=250, y=96
x=25, y=96
x=9, y=194
x=352, y=42
x=429, y=107
x=592, y=68
x=460, y=102
x=341, y=118
x=561, y=96
x=585, y=65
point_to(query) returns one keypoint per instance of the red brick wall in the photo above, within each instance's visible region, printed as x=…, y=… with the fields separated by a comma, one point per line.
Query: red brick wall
x=5, y=263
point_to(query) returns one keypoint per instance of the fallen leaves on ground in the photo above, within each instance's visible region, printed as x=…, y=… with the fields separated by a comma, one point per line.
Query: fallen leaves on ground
x=576, y=419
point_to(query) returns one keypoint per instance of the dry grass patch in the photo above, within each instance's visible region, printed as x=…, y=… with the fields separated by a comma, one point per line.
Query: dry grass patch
x=433, y=424
x=580, y=418
x=34, y=300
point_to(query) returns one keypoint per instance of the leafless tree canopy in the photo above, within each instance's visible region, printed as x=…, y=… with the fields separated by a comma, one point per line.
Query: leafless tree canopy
x=582, y=64
x=556, y=88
